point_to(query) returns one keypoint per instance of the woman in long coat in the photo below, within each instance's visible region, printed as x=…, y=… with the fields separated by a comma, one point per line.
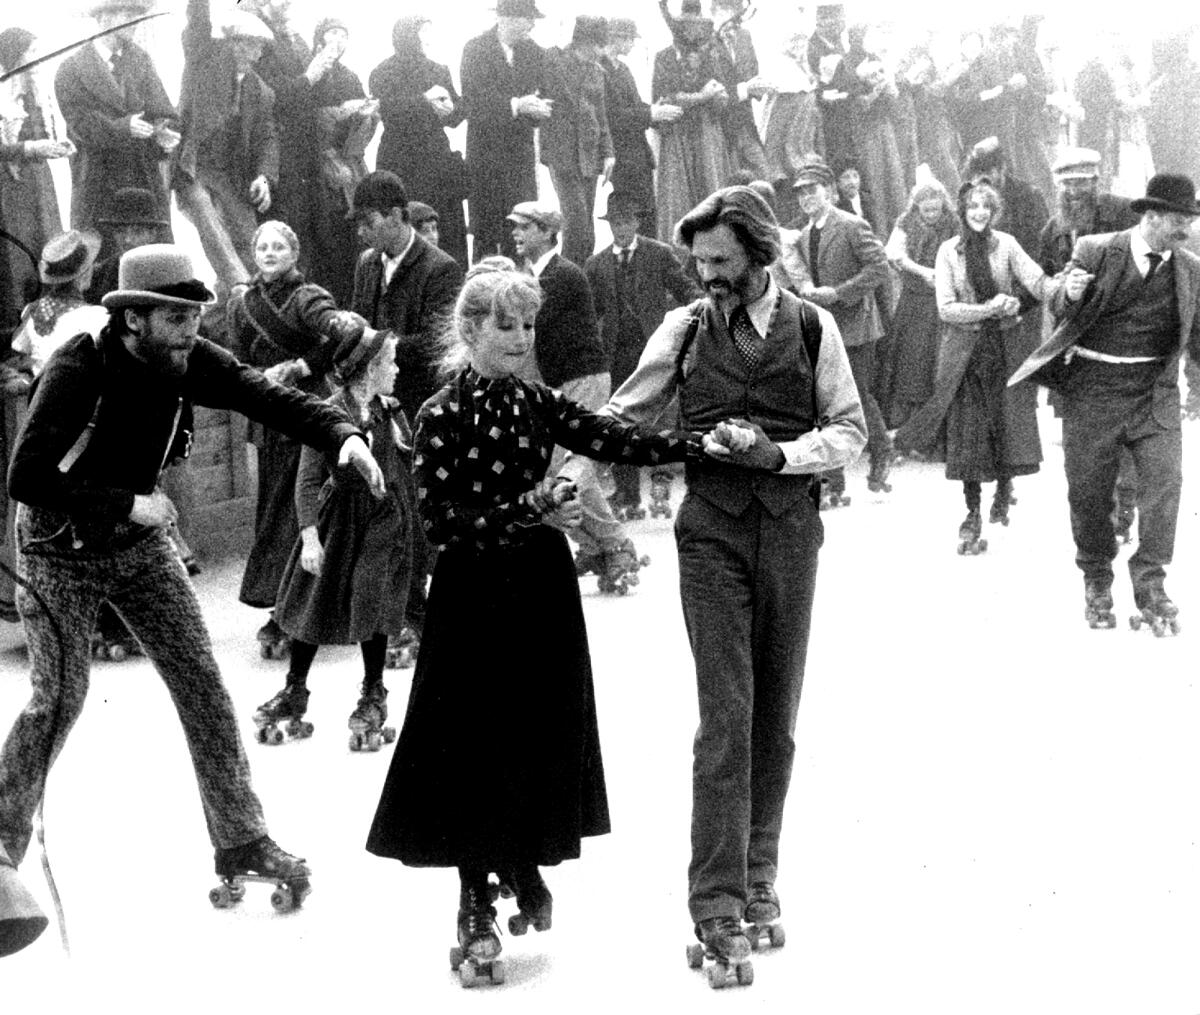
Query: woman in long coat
x=417, y=101
x=988, y=430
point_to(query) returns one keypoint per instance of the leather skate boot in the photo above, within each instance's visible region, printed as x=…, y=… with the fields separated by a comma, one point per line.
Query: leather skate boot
x=969, y=543
x=1098, y=604
x=534, y=901
x=1156, y=610
x=366, y=722
x=263, y=858
x=286, y=708
x=762, y=903
x=477, y=935
x=1000, y=502
x=724, y=939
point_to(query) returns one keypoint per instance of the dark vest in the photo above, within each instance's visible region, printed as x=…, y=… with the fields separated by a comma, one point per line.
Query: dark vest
x=1147, y=324
x=776, y=393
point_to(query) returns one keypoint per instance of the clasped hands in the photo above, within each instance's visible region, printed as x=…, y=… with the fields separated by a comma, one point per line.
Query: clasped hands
x=739, y=442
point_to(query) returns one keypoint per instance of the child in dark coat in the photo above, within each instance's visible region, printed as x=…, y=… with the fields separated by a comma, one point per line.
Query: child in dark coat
x=347, y=579
x=504, y=579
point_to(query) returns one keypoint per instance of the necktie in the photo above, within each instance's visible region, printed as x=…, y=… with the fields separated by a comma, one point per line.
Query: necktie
x=814, y=249
x=744, y=335
x=1155, y=260
x=624, y=260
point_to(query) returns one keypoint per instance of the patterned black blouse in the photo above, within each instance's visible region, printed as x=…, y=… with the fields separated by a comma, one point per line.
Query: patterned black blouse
x=482, y=442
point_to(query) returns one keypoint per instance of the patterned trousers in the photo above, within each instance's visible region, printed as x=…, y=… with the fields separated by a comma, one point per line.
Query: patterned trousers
x=147, y=585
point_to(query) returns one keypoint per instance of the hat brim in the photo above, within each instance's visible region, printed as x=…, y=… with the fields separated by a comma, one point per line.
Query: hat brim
x=1076, y=174
x=1144, y=204
x=145, y=297
x=91, y=242
x=825, y=181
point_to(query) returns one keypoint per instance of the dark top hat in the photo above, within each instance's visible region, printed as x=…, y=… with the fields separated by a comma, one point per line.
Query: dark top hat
x=1168, y=192
x=68, y=255
x=132, y=206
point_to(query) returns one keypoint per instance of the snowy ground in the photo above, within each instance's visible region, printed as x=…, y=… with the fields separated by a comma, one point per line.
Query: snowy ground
x=993, y=807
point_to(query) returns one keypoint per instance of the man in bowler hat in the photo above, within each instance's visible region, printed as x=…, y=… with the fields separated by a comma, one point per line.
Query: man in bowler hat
x=1126, y=314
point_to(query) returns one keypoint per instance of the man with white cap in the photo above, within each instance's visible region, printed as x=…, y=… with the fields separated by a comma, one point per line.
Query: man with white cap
x=229, y=158
x=110, y=411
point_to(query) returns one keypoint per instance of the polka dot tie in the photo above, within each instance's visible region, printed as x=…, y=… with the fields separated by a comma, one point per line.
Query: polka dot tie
x=744, y=335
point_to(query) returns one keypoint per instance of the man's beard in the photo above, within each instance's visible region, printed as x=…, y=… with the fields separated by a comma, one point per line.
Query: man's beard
x=156, y=353
x=1078, y=213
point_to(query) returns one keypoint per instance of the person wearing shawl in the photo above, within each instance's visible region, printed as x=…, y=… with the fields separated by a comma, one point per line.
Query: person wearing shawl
x=988, y=431
x=417, y=101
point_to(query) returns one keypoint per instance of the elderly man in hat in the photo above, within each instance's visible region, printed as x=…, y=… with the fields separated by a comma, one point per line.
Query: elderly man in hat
x=569, y=355
x=119, y=116
x=229, y=157
x=634, y=282
x=1129, y=309
x=503, y=89
x=846, y=264
x=576, y=145
x=748, y=539
x=110, y=410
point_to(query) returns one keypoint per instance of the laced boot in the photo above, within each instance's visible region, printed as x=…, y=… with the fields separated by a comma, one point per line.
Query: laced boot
x=534, y=901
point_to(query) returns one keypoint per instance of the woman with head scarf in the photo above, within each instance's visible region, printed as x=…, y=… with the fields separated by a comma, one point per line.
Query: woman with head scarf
x=417, y=101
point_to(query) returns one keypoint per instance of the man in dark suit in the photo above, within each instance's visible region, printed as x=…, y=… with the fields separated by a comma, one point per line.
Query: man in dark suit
x=1126, y=314
x=119, y=117
x=229, y=156
x=742, y=80
x=503, y=78
x=847, y=264
x=634, y=283
x=569, y=356
x=405, y=285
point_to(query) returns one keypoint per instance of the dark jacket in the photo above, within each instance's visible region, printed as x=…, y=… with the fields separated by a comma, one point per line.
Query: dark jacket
x=657, y=284
x=628, y=121
x=576, y=138
x=1056, y=243
x=206, y=101
x=97, y=111
x=414, y=306
x=567, y=342
x=144, y=422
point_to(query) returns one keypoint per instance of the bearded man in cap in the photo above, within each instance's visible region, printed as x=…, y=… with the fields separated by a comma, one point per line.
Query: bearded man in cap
x=503, y=90
x=110, y=410
x=1126, y=314
x=118, y=114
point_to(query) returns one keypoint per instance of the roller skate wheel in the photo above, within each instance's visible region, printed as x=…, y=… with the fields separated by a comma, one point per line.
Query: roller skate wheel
x=282, y=900
x=356, y=742
x=1158, y=627
x=274, y=736
x=264, y=650
x=389, y=734
x=260, y=734
x=695, y=956
x=497, y=971
x=755, y=940
x=456, y=958
x=306, y=729
x=117, y=653
x=1173, y=624
x=518, y=924
x=717, y=974
x=237, y=892
x=1135, y=623
x=221, y=897
x=374, y=741
x=466, y=974
x=777, y=935
x=745, y=974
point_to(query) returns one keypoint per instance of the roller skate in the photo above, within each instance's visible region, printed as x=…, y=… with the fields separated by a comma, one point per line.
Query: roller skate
x=111, y=639
x=1000, y=503
x=725, y=945
x=969, y=543
x=762, y=916
x=262, y=861
x=621, y=564
x=474, y=958
x=833, y=491
x=535, y=904
x=1157, y=611
x=660, y=495
x=272, y=642
x=287, y=708
x=1098, y=605
x=402, y=649
x=589, y=562
x=367, y=729
x=881, y=468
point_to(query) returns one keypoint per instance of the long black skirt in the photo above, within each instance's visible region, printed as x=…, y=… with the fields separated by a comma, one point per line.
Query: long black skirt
x=498, y=761
x=275, y=526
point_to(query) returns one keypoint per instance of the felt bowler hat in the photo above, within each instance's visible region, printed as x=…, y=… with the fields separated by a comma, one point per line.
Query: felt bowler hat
x=1170, y=192
x=132, y=206
x=68, y=255
x=157, y=274
x=622, y=206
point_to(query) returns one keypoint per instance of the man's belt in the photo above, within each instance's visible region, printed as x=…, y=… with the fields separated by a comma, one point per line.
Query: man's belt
x=1103, y=357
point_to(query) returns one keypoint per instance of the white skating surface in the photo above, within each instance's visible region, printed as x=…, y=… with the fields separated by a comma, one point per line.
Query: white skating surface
x=993, y=808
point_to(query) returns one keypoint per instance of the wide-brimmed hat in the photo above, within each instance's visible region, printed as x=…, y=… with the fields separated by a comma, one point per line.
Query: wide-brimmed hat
x=1077, y=164
x=68, y=255
x=354, y=352
x=132, y=206
x=517, y=9
x=157, y=274
x=531, y=211
x=1171, y=192
x=814, y=171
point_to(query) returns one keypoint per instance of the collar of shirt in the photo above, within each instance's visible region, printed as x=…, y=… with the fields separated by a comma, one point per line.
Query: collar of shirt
x=538, y=266
x=1140, y=249
x=390, y=264
x=617, y=251
x=507, y=51
x=107, y=49
x=761, y=309
x=823, y=221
